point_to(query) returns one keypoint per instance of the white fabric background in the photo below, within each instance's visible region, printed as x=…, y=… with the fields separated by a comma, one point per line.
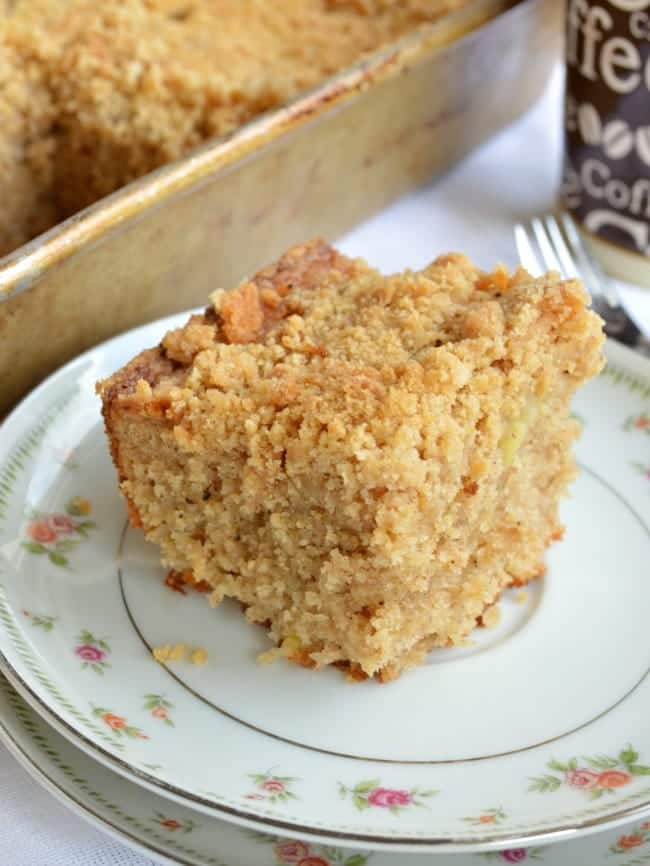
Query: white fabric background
x=472, y=209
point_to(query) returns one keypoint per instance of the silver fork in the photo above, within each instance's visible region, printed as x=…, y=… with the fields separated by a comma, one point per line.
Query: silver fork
x=553, y=243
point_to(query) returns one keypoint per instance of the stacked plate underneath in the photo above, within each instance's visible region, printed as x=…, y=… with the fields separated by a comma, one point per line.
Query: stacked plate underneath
x=538, y=733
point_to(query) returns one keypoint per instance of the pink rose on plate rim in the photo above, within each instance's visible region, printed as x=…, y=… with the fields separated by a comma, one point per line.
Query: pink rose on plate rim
x=273, y=786
x=313, y=861
x=159, y=713
x=89, y=653
x=581, y=778
x=514, y=855
x=291, y=851
x=61, y=524
x=387, y=797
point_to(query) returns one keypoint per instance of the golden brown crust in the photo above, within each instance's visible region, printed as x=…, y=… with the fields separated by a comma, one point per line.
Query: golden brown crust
x=251, y=311
x=149, y=366
x=183, y=344
x=301, y=267
x=536, y=574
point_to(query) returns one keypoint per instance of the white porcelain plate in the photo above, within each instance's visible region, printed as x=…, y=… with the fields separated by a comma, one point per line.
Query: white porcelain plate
x=178, y=834
x=538, y=730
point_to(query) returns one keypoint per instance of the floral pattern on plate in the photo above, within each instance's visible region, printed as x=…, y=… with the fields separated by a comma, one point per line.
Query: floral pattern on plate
x=488, y=816
x=634, y=838
x=370, y=793
x=134, y=813
x=640, y=422
x=515, y=855
x=57, y=534
x=185, y=825
x=159, y=707
x=114, y=723
x=295, y=852
x=41, y=620
x=596, y=775
x=118, y=724
x=272, y=788
x=92, y=651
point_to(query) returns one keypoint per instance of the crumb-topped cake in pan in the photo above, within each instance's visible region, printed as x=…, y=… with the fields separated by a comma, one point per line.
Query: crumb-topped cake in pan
x=96, y=94
x=365, y=462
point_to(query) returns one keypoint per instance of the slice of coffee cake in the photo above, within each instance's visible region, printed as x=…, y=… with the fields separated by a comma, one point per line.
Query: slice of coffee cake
x=365, y=462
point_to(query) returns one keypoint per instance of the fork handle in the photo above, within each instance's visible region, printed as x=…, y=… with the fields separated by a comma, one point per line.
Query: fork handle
x=619, y=326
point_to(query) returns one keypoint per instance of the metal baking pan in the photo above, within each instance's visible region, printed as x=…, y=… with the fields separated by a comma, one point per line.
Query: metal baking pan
x=315, y=167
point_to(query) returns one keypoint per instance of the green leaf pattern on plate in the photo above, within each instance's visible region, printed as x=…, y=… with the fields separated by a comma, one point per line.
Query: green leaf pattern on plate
x=185, y=825
x=42, y=621
x=118, y=725
x=488, y=817
x=272, y=788
x=159, y=707
x=56, y=534
x=638, y=423
x=595, y=775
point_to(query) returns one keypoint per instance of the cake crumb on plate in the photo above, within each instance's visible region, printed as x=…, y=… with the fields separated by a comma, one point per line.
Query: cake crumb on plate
x=169, y=652
x=199, y=656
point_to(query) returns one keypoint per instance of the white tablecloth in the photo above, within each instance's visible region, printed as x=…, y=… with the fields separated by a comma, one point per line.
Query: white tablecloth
x=472, y=209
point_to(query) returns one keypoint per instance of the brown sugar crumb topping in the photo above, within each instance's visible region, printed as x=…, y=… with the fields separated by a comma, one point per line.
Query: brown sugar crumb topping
x=470, y=487
x=183, y=344
x=242, y=314
x=484, y=320
x=499, y=280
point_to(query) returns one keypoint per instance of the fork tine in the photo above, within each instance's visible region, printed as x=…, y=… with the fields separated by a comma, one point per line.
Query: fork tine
x=562, y=251
x=525, y=250
x=595, y=280
x=551, y=261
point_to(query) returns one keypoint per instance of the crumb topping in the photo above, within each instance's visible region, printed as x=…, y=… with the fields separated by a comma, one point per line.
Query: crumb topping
x=375, y=461
x=98, y=94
